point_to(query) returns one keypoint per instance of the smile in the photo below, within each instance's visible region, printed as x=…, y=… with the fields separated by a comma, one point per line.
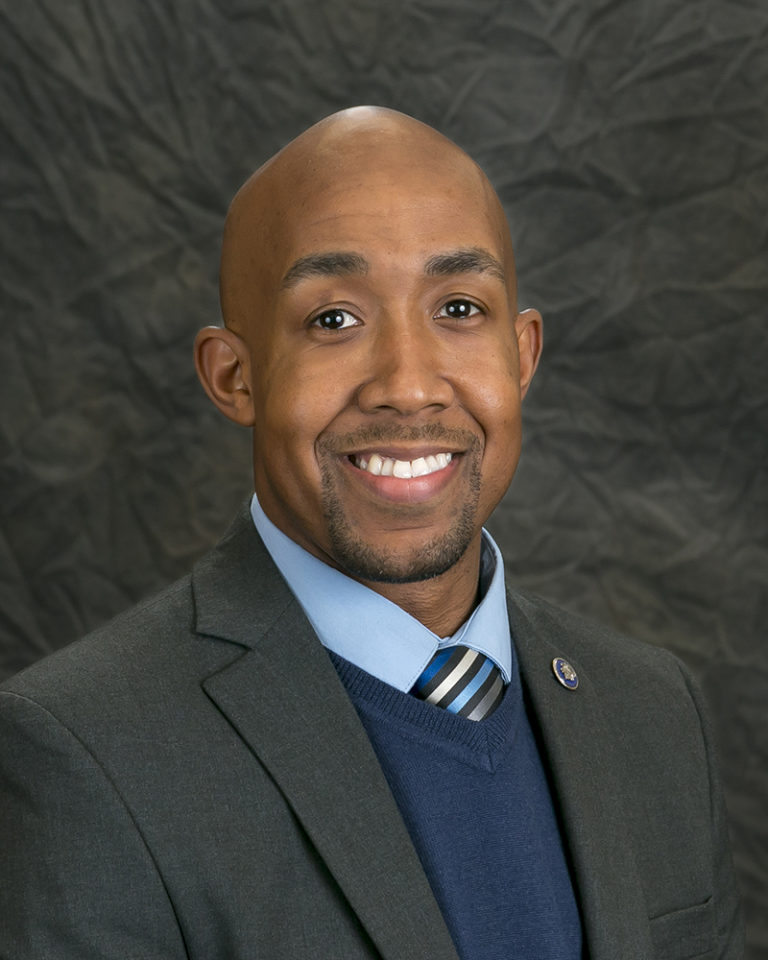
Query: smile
x=381, y=466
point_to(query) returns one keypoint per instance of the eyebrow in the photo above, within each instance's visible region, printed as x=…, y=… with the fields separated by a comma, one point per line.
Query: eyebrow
x=340, y=263
x=325, y=265
x=470, y=260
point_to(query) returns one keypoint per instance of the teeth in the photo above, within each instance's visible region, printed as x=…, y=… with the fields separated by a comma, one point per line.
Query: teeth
x=404, y=469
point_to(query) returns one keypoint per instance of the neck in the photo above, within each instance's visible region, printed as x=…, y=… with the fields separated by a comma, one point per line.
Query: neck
x=443, y=603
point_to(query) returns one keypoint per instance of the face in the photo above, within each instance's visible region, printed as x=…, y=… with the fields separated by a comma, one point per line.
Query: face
x=385, y=374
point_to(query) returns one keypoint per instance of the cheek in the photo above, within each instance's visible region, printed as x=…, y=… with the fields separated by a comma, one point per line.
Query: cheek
x=296, y=405
x=497, y=406
x=494, y=395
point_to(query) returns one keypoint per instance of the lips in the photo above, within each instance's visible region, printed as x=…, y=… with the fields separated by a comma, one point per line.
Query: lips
x=380, y=465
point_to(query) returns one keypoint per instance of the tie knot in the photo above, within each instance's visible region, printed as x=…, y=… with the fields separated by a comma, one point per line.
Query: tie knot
x=462, y=681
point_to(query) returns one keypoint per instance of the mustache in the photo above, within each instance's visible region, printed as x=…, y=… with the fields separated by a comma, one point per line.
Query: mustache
x=397, y=433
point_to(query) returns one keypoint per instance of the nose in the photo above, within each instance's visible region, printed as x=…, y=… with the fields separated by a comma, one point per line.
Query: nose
x=405, y=371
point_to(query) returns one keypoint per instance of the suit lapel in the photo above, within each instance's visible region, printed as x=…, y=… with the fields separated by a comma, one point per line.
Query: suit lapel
x=576, y=738
x=286, y=701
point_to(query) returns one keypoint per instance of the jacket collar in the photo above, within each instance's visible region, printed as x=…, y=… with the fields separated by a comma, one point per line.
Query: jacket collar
x=284, y=698
x=575, y=739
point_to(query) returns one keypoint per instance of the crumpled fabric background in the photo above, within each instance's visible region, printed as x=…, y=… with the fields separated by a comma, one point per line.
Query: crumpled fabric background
x=629, y=143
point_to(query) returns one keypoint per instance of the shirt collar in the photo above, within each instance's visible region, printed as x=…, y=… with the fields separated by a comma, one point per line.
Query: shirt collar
x=375, y=634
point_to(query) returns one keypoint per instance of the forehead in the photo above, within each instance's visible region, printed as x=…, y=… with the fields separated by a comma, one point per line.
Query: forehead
x=390, y=213
x=396, y=207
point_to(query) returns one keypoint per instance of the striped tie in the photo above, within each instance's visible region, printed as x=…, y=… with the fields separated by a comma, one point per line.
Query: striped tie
x=462, y=681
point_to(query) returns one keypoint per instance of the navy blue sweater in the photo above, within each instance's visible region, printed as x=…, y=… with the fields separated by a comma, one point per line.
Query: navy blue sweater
x=475, y=800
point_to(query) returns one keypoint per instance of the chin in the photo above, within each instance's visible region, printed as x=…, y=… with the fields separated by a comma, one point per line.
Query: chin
x=364, y=561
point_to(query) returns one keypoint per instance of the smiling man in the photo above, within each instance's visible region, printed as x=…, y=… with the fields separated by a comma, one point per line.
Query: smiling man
x=344, y=736
x=373, y=344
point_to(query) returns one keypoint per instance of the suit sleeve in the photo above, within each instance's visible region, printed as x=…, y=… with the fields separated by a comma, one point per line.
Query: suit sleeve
x=729, y=920
x=77, y=880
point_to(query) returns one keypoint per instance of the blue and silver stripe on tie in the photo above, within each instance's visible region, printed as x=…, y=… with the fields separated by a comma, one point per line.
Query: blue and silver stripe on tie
x=462, y=681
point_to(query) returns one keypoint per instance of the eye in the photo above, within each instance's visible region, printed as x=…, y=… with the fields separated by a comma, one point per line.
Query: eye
x=334, y=319
x=458, y=310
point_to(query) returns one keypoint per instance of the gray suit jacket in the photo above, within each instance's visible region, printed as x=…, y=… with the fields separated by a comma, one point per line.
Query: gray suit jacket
x=192, y=781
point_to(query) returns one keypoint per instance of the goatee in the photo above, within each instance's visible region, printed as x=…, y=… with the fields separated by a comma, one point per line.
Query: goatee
x=364, y=560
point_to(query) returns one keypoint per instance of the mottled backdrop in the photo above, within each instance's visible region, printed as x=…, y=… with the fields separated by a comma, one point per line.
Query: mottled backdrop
x=629, y=142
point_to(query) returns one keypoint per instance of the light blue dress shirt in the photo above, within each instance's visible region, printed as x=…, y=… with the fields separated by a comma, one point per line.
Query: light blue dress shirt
x=375, y=634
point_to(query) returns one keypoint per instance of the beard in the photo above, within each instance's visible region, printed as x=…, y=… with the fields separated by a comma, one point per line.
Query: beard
x=364, y=560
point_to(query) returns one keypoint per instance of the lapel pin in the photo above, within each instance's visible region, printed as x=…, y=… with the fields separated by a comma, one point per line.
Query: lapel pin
x=565, y=673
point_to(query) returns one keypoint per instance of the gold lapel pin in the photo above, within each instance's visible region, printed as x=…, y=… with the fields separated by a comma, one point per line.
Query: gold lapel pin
x=565, y=673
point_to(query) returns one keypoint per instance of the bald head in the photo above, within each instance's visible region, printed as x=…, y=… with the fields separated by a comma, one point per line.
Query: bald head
x=370, y=151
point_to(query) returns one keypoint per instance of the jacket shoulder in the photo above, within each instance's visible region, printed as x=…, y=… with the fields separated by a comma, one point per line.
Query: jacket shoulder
x=129, y=654
x=594, y=643
x=632, y=678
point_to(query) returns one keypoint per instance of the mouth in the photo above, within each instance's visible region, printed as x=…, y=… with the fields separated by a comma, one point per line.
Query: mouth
x=380, y=465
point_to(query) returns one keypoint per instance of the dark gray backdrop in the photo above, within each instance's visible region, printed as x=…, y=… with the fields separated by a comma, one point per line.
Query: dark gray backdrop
x=629, y=143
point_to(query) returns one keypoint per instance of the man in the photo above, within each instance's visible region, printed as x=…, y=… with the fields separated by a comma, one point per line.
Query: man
x=338, y=737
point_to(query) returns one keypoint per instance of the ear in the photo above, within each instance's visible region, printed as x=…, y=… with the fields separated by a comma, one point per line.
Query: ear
x=222, y=362
x=528, y=327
